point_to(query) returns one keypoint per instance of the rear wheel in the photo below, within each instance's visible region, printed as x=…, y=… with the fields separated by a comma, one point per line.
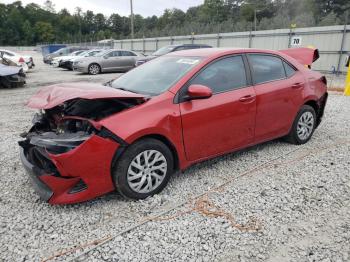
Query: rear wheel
x=144, y=169
x=94, y=69
x=303, y=126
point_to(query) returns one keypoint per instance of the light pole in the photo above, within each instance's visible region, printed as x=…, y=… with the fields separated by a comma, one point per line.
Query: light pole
x=255, y=11
x=132, y=20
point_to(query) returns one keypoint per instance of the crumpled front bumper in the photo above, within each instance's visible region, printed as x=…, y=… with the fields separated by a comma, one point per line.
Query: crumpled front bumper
x=78, y=175
x=12, y=81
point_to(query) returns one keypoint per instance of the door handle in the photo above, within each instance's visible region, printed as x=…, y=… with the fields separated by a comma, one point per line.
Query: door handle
x=247, y=98
x=297, y=85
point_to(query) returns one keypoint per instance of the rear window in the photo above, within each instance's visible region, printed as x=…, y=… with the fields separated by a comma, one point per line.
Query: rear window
x=266, y=68
x=289, y=69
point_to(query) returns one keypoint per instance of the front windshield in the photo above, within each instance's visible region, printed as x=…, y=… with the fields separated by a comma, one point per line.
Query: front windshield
x=156, y=76
x=93, y=53
x=83, y=53
x=60, y=50
x=164, y=50
x=101, y=53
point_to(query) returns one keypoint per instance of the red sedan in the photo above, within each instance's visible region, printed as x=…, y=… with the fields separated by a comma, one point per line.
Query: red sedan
x=166, y=115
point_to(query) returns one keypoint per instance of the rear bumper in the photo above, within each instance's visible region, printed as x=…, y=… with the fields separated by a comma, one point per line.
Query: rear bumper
x=66, y=64
x=80, y=174
x=321, y=105
x=12, y=81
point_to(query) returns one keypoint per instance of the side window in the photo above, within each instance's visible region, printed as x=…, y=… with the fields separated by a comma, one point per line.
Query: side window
x=116, y=53
x=223, y=75
x=110, y=54
x=266, y=68
x=289, y=70
x=179, y=48
x=127, y=53
x=113, y=54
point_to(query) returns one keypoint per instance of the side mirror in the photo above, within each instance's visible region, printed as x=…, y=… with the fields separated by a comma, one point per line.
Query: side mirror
x=198, y=92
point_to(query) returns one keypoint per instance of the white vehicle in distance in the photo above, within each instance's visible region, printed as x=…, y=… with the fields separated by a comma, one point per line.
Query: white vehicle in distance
x=25, y=61
x=57, y=60
x=68, y=63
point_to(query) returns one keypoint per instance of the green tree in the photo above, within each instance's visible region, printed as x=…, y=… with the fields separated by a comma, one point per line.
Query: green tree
x=44, y=32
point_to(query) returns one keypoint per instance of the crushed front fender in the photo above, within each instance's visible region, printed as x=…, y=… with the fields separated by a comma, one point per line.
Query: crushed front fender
x=80, y=174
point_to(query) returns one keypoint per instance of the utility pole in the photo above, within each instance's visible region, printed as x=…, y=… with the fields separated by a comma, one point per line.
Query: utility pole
x=255, y=19
x=132, y=20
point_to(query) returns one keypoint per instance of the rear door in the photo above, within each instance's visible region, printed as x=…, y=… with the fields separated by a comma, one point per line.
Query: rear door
x=224, y=121
x=279, y=92
x=128, y=59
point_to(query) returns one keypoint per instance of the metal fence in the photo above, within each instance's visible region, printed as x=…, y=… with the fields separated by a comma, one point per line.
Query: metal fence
x=333, y=43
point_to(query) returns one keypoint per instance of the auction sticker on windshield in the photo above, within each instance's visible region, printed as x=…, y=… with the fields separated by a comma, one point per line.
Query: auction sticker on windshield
x=187, y=61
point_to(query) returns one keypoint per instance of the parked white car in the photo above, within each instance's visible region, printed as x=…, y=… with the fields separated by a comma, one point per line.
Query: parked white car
x=68, y=63
x=24, y=61
x=56, y=61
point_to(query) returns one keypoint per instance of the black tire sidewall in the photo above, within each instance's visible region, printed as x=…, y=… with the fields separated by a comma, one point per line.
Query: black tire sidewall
x=294, y=133
x=120, y=169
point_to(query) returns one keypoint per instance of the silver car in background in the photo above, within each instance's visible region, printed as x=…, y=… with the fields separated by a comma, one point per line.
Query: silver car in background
x=112, y=60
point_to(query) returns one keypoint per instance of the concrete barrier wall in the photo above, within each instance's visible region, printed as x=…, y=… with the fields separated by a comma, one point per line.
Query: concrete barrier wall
x=333, y=42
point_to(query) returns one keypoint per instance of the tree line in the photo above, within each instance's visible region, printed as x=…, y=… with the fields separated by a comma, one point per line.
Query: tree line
x=32, y=24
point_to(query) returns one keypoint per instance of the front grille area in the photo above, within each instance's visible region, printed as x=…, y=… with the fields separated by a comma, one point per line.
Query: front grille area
x=39, y=158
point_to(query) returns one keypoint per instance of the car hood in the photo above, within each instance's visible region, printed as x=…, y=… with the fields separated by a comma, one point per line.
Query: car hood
x=54, y=95
x=8, y=70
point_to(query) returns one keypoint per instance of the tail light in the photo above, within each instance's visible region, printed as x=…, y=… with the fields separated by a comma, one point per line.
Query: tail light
x=21, y=60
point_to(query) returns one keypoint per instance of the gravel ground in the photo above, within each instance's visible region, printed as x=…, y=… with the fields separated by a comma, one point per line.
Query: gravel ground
x=296, y=208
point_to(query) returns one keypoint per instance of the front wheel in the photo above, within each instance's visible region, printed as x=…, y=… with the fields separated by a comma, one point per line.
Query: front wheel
x=94, y=69
x=144, y=169
x=303, y=126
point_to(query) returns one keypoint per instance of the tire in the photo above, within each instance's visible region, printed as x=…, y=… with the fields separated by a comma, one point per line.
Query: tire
x=303, y=126
x=132, y=175
x=94, y=69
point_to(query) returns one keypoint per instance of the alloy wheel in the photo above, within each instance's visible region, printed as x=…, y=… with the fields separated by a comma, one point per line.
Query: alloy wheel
x=305, y=125
x=94, y=69
x=147, y=171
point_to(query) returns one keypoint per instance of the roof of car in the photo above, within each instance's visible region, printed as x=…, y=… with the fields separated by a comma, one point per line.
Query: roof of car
x=208, y=52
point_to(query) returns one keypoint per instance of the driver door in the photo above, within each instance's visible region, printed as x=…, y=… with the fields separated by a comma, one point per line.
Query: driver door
x=110, y=61
x=226, y=120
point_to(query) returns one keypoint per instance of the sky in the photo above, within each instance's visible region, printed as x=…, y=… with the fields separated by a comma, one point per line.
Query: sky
x=122, y=7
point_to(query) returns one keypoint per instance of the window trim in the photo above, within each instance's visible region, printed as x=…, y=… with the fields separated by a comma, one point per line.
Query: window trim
x=295, y=70
x=273, y=55
x=179, y=97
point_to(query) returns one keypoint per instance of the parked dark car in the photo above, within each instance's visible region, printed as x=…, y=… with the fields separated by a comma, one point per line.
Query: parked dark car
x=168, y=49
x=63, y=51
x=11, y=76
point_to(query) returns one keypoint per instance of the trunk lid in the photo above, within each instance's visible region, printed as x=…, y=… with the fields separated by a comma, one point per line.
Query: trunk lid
x=303, y=55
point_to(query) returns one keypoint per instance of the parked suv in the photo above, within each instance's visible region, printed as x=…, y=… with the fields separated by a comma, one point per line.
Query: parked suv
x=61, y=52
x=168, y=49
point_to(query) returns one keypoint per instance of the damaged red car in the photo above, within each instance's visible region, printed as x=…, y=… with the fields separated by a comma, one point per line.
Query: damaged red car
x=179, y=109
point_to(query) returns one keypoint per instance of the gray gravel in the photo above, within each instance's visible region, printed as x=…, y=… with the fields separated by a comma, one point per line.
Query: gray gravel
x=301, y=203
